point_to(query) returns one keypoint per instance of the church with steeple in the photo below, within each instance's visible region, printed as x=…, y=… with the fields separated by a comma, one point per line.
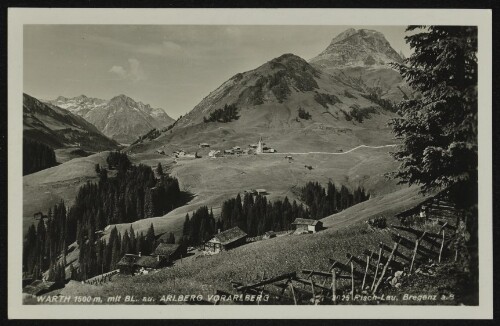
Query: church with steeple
x=259, y=149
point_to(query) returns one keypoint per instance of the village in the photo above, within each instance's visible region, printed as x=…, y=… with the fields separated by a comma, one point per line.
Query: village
x=252, y=149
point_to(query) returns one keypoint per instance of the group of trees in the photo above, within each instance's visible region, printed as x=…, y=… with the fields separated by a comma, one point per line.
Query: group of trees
x=98, y=256
x=200, y=227
x=226, y=114
x=47, y=241
x=150, y=135
x=438, y=129
x=326, y=99
x=256, y=215
x=303, y=114
x=358, y=113
x=135, y=193
x=323, y=202
x=37, y=156
x=375, y=96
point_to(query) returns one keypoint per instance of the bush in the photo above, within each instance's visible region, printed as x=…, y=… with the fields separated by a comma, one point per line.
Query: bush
x=226, y=114
x=303, y=114
x=378, y=222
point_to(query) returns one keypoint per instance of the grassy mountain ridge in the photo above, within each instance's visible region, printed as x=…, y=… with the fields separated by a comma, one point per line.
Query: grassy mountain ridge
x=59, y=128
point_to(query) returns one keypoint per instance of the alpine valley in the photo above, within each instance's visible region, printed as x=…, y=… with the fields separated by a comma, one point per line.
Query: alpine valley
x=270, y=130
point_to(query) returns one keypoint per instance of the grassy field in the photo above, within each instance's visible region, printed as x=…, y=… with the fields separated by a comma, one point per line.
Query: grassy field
x=212, y=181
x=205, y=274
x=270, y=257
x=42, y=190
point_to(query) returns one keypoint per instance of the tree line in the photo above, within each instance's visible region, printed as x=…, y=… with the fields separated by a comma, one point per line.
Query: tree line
x=256, y=214
x=135, y=193
x=324, y=202
x=200, y=227
x=226, y=114
x=37, y=156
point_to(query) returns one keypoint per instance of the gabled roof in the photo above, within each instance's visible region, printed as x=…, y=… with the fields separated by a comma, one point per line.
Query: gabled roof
x=165, y=249
x=306, y=221
x=141, y=261
x=230, y=235
x=147, y=262
x=128, y=260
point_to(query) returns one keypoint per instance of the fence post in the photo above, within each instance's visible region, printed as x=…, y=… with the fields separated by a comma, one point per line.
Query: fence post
x=417, y=243
x=293, y=293
x=313, y=292
x=368, y=257
x=352, y=280
x=334, y=290
x=380, y=252
x=384, y=270
x=442, y=246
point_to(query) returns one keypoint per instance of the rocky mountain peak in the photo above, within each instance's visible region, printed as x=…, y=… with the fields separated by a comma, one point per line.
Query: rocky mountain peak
x=81, y=97
x=362, y=47
x=123, y=100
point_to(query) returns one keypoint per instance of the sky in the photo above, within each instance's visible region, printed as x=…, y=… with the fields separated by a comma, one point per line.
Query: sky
x=168, y=66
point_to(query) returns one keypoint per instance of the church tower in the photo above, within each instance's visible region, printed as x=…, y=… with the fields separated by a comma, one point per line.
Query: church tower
x=259, y=146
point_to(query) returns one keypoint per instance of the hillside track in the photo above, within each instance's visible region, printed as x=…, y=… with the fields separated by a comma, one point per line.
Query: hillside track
x=334, y=153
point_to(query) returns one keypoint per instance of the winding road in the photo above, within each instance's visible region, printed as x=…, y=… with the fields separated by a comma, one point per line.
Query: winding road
x=336, y=153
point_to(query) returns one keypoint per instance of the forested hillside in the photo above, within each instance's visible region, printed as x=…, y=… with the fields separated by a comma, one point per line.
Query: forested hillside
x=37, y=156
x=134, y=193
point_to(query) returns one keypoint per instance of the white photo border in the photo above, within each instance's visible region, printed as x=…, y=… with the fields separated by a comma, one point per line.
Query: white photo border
x=18, y=17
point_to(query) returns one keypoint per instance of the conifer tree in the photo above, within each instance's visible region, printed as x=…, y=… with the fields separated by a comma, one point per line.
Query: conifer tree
x=159, y=170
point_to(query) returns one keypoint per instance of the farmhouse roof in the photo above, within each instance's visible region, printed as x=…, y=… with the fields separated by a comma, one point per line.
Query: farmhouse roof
x=38, y=287
x=306, y=221
x=128, y=260
x=230, y=235
x=147, y=262
x=165, y=249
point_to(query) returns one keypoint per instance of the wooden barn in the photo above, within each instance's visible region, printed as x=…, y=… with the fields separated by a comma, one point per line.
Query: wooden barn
x=305, y=225
x=168, y=252
x=133, y=264
x=226, y=240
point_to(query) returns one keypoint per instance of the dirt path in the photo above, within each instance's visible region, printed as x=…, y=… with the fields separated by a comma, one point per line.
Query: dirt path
x=335, y=153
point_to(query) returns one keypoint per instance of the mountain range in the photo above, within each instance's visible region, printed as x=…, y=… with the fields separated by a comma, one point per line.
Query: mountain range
x=348, y=92
x=349, y=97
x=120, y=118
x=58, y=128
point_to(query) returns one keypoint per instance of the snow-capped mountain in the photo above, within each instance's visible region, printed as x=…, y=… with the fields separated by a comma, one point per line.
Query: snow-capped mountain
x=58, y=128
x=121, y=118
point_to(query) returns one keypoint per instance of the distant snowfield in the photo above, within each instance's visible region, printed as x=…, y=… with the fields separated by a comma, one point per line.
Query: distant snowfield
x=335, y=153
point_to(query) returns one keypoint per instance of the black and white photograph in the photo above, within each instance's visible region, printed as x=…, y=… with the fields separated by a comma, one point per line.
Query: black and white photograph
x=259, y=164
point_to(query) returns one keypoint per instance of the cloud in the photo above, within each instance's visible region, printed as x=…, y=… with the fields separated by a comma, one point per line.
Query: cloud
x=133, y=72
x=119, y=71
x=164, y=48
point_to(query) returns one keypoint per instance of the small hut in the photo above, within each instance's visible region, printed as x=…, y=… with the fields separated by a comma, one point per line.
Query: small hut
x=168, y=252
x=226, y=240
x=132, y=264
x=305, y=225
